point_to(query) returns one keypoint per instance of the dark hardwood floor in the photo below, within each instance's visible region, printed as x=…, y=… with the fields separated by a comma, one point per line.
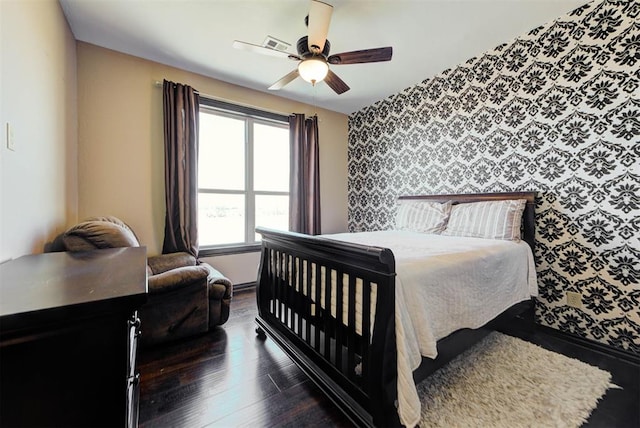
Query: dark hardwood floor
x=229, y=377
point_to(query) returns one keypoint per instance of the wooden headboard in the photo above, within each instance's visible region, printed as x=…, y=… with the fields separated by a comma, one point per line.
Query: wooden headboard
x=528, y=216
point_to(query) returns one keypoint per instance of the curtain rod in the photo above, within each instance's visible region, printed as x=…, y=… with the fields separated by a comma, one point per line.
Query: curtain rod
x=159, y=84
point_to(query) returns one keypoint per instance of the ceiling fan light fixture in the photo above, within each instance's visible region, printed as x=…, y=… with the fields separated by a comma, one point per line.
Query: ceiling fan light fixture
x=313, y=52
x=313, y=70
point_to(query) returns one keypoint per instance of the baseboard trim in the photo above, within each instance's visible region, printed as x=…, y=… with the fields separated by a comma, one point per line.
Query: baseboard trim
x=591, y=344
x=244, y=286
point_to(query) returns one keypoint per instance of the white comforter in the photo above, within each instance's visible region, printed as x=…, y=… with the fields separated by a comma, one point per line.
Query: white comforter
x=443, y=284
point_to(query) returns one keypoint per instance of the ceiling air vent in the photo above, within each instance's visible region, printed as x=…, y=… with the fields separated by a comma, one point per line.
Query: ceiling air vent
x=273, y=43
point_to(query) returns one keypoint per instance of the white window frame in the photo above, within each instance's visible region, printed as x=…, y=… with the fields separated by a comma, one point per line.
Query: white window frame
x=250, y=116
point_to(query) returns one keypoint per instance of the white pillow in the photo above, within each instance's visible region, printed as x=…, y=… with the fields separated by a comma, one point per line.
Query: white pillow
x=490, y=219
x=422, y=216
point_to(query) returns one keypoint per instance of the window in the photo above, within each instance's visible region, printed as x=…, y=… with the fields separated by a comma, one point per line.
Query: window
x=243, y=175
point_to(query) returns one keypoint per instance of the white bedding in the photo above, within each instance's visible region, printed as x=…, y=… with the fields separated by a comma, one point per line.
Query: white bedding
x=443, y=284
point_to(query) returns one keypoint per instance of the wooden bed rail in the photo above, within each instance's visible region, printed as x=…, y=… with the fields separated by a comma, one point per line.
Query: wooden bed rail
x=331, y=307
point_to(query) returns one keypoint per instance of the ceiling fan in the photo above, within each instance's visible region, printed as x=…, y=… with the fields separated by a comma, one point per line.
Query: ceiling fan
x=313, y=52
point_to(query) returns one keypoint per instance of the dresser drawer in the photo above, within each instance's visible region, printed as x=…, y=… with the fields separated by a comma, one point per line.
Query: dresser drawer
x=68, y=338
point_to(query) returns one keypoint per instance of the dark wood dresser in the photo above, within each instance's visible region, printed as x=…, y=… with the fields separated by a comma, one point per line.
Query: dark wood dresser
x=68, y=338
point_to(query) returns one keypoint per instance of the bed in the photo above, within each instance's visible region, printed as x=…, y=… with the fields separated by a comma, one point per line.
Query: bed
x=367, y=333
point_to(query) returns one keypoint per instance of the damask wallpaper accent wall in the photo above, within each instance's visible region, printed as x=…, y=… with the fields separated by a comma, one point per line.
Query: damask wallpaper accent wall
x=556, y=111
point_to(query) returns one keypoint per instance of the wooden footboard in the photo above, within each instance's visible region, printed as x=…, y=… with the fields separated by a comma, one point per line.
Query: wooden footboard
x=331, y=307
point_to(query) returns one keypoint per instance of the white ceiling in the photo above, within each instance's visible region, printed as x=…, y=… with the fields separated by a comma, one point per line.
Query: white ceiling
x=427, y=36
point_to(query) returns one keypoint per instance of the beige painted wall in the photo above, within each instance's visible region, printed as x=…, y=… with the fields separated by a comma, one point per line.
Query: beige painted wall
x=38, y=193
x=120, y=146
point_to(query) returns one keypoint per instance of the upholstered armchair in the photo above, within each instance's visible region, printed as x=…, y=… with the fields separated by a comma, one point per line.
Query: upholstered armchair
x=186, y=297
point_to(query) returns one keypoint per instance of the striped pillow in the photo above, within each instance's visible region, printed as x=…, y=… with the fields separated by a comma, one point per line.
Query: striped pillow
x=491, y=219
x=422, y=216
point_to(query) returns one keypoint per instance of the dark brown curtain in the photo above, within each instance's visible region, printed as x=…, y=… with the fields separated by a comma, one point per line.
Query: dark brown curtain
x=181, y=107
x=304, y=198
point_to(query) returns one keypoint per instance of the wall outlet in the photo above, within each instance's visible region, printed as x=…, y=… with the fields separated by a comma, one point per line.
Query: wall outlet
x=574, y=299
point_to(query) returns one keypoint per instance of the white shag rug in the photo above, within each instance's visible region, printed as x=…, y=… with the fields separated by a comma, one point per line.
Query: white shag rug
x=508, y=382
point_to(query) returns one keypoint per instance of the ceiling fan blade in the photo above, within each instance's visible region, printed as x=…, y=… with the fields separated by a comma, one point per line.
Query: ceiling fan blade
x=319, y=20
x=263, y=50
x=359, y=57
x=336, y=83
x=284, y=81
